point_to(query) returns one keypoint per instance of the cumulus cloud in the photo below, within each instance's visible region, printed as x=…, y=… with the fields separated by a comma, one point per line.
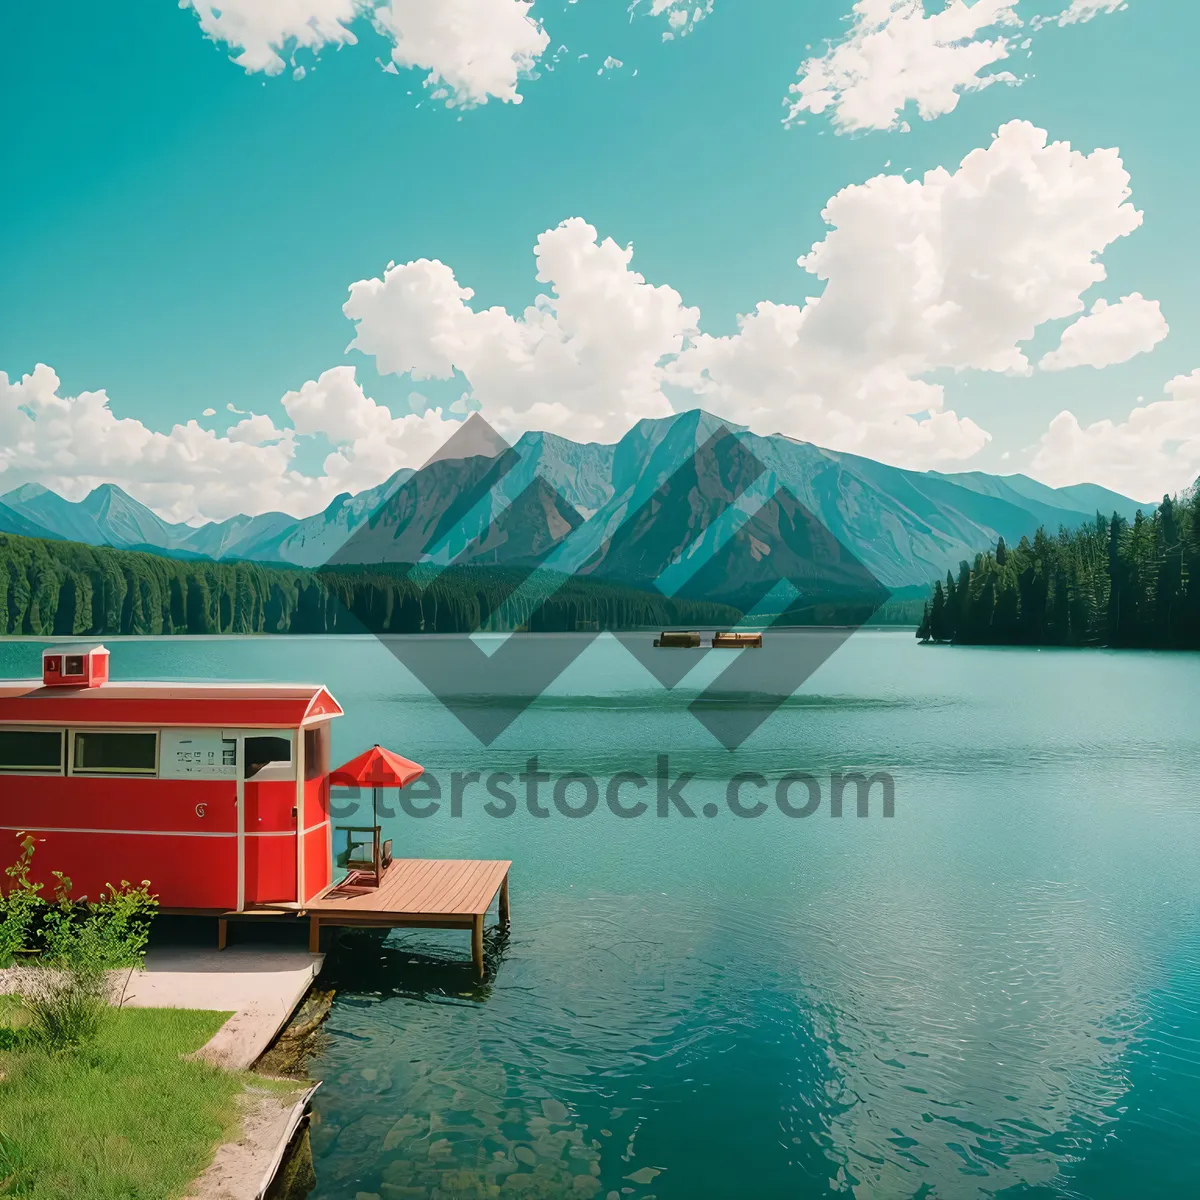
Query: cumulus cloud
x=370, y=443
x=1156, y=449
x=1085, y=10
x=896, y=53
x=74, y=443
x=953, y=271
x=950, y=272
x=473, y=50
x=584, y=360
x=263, y=31
x=1109, y=334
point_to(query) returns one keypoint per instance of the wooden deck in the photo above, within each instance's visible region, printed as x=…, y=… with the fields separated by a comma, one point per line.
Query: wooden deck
x=425, y=893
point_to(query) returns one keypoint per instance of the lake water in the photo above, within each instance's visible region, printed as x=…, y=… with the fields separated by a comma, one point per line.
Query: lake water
x=994, y=992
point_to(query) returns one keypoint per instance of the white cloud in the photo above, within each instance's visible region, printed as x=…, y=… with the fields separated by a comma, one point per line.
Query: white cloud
x=585, y=361
x=370, y=443
x=473, y=50
x=74, y=443
x=682, y=15
x=256, y=429
x=1156, y=449
x=1085, y=10
x=950, y=272
x=1109, y=334
x=896, y=53
x=476, y=49
x=266, y=30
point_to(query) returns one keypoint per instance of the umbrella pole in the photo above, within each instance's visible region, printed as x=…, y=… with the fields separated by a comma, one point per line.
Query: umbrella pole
x=376, y=837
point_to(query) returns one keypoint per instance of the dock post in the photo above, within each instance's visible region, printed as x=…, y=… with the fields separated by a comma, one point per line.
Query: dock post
x=504, y=912
x=222, y=932
x=477, y=944
x=314, y=934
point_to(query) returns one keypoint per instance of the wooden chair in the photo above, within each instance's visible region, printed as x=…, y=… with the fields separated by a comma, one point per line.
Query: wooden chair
x=366, y=857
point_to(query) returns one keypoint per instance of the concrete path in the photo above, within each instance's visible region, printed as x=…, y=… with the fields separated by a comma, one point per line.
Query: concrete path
x=261, y=986
x=245, y=1169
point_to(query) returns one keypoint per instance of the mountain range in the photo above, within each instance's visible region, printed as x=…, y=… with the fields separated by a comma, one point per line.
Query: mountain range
x=555, y=500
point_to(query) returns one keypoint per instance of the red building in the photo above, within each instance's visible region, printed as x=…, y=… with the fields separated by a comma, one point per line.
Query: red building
x=216, y=793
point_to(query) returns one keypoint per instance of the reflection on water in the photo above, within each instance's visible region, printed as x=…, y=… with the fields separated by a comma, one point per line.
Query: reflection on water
x=664, y=1047
x=996, y=992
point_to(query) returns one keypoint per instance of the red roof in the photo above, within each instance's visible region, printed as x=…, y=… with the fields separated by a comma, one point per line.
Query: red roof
x=376, y=767
x=199, y=705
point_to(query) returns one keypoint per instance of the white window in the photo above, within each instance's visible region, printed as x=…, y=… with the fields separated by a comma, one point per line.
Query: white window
x=265, y=749
x=112, y=752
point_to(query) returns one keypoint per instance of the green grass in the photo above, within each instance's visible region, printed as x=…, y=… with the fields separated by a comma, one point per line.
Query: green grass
x=126, y=1118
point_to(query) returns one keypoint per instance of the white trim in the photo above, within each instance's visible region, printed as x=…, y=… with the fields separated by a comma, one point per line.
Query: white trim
x=329, y=822
x=199, y=685
x=299, y=758
x=239, y=759
x=132, y=832
x=104, y=773
x=81, y=722
x=308, y=713
x=155, y=832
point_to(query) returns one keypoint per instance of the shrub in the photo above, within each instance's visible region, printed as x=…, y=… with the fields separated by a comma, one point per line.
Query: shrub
x=66, y=1008
x=68, y=986
x=20, y=905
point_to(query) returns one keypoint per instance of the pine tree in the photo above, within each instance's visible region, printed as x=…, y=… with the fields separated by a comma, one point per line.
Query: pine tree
x=1169, y=560
x=964, y=623
x=937, y=614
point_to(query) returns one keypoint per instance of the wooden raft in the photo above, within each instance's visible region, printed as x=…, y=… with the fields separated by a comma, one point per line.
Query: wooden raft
x=420, y=893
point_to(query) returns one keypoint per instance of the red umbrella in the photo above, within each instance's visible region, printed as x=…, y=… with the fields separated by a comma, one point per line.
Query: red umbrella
x=376, y=768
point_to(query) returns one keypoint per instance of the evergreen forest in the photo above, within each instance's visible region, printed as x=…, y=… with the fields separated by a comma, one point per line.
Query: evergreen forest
x=1112, y=582
x=66, y=588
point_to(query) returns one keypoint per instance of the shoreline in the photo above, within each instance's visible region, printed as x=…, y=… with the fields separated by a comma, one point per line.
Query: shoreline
x=262, y=999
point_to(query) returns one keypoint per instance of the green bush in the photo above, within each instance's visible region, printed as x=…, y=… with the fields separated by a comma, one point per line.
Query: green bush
x=20, y=905
x=75, y=947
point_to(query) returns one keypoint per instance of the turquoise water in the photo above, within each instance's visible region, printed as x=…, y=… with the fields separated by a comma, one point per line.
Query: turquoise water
x=994, y=992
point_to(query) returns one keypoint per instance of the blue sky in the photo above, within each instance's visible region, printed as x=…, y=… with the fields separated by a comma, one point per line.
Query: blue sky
x=182, y=234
